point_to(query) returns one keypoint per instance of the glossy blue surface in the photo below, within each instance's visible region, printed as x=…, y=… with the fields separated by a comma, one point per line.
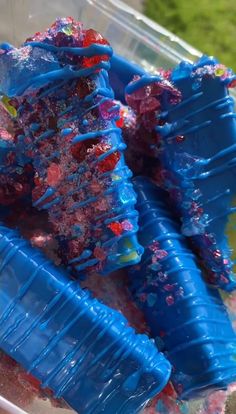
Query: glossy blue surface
x=202, y=164
x=121, y=73
x=81, y=349
x=205, y=160
x=190, y=317
x=47, y=65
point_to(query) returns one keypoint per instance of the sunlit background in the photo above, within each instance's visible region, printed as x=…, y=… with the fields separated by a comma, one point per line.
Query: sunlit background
x=208, y=25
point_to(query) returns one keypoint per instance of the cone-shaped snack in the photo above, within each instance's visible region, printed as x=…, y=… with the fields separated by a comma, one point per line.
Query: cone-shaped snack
x=59, y=87
x=81, y=349
x=196, y=144
x=189, y=317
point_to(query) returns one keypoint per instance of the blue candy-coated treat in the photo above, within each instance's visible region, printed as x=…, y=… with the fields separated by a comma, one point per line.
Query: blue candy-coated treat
x=65, y=106
x=195, y=147
x=199, y=152
x=81, y=349
x=187, y=316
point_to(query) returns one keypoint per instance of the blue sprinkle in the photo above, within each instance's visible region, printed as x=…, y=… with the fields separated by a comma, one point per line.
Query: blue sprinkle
x=151, y=299
x=184, y=408
x=155, y=266
x=159, y=343
x=161, y=408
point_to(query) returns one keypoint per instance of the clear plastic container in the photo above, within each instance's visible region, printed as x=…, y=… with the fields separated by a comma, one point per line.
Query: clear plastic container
x=142, y=41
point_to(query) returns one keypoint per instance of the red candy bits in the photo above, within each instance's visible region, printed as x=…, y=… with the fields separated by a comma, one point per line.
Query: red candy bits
x=116, y=228
x=54, y=174
x=108, y=163
x=91, y=37
x=232, y=84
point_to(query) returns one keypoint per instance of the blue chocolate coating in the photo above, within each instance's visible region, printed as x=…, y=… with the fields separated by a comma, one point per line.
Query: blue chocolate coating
x=121, y=73
x=45, y=67
x=179, y=307
x=205, y=160
x=78, y=347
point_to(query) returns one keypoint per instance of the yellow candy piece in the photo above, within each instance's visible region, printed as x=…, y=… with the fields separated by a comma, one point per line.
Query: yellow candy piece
x=133, y=255
x=10, y=109
x=115, y=177
x=219, y=72
x=129, y=257
x=67, y=30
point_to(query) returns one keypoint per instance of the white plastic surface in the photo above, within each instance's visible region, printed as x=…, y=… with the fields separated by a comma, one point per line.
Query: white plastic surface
x=9, y=407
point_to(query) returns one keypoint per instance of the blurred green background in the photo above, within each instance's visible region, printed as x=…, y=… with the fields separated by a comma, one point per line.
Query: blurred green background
x=208, y=25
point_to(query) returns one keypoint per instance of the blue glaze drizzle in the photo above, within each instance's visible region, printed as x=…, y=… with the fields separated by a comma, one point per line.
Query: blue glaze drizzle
x=141, y=82
x=212, y=166
x=122, y=250
x=92, y=50
x=178, y=305
x=66, y=72
x=38, y=297
x=196, y=150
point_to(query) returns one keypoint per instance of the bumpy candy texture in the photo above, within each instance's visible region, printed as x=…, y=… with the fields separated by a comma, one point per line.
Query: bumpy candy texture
x=16, y=175
x=146, y=96
x=195, y=146
x=188, y=319
x=113, y=290
x=59, y=87
x=81, y=349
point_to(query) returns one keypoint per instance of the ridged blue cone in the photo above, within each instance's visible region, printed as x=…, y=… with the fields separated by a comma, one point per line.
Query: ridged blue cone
x=189, y=318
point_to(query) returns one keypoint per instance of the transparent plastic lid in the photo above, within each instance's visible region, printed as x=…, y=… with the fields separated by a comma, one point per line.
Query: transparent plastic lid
x=131, y=34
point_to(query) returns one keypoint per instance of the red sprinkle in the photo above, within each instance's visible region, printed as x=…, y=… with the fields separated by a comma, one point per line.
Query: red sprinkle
x=108, y=163
x=54, y=174
x=116, y=227
x=170, y=300
x=232, y=84
x=169, y=390
x=168, y=287
x=91, y=37
x=120, y=121
x=180, y=138
x=76, y=151
x=217, y=253
x=99, y=253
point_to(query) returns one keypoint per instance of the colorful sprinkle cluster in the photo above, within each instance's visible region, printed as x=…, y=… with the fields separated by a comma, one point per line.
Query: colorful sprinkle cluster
x=84, y=183
x=158, y=137
x=140, y=119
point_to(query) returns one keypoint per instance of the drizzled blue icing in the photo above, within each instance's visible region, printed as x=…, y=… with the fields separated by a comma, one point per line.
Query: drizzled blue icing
x=196, y=143
x=92, y=50
x=76, y=346
x=121, y=73
x=46, y=66
x=186, y=70
x=144, y=80
x=204, y=161
x=121, y=250
x=190, y=317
